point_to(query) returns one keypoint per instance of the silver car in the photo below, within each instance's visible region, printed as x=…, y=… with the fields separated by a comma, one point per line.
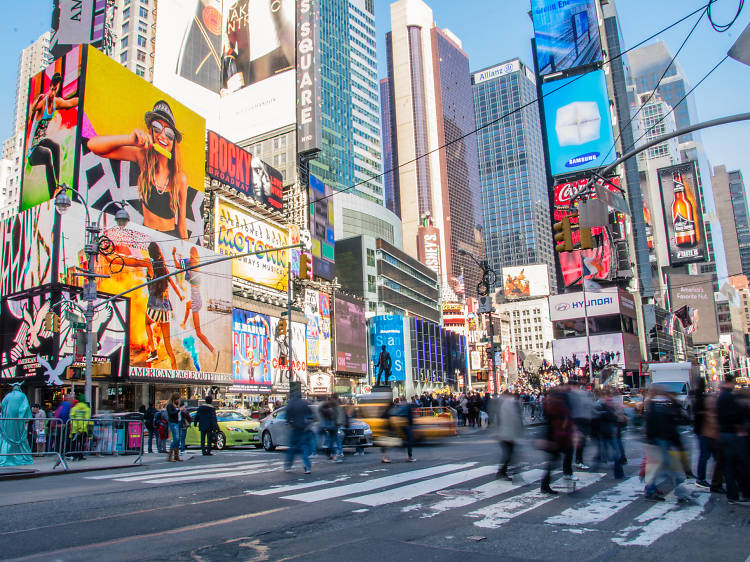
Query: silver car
x=274, y=431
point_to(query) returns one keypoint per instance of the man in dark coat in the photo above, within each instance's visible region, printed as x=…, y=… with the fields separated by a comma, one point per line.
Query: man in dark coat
x=205, y=419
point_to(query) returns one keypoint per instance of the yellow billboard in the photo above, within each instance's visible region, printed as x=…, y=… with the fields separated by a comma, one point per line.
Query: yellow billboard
x=238, y=231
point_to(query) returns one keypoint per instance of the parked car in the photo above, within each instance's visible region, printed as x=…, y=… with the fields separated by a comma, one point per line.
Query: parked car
x=274, y=431
x=235, y=430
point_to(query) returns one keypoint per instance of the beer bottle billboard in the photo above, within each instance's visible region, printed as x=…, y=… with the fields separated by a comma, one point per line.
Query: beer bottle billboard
x=683, y=219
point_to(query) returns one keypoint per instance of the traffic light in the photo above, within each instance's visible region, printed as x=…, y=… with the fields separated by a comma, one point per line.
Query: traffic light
x=563, y=235
x=304, y=266
x=282, y=326
x=587, y=240
x=51, y=322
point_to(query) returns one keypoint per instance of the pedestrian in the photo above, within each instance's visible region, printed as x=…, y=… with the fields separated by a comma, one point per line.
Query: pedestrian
x=185, y=421
x=559, y=436
x=205, y=420
x=706, y=428
x=506, y=422
x=80, y=424
x=298, y=415
x=161, y=425
x=40, y=426
x=148, y=422
x=582, y=409
x=607, y=423
x=732, y=416
x=173, y=418
x=329, y=413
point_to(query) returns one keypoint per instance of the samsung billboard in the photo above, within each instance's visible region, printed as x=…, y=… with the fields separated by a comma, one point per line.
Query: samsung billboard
x=579, y=124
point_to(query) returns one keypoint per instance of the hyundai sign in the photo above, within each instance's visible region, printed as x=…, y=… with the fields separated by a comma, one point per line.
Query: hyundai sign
x=579, y=124
x=571, y=305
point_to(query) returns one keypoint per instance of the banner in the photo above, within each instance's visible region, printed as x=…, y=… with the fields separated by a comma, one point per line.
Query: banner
x=76, y=22
x=351, y=335
x=321, y=229
x=309, y=129
x=525, y=281
x=388, y=331
x=239, y=232
x=318, y=314
x=251, y=350
x=279, y=351
x=697, y=292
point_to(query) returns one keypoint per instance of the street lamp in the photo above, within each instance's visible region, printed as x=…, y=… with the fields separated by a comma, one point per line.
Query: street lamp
x=483, y=288
x=93, y=247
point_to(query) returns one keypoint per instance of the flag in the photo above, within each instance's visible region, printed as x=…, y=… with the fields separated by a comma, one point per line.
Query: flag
x=460, y=287
x=669, y=323
x=592, y=286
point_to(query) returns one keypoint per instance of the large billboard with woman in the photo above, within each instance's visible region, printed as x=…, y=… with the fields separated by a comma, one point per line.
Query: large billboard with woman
x=141, y=146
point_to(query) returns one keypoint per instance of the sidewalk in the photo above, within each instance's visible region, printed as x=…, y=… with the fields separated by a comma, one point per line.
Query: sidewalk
x=45, y=465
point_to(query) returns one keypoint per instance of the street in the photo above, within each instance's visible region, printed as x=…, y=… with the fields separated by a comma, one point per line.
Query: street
x=240, y=505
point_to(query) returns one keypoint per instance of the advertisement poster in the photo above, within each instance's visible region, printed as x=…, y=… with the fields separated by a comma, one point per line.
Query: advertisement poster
x=388, y=330
x=697, y=292
x=564, y=193
x=351, y=335
x=321, y=229
x=525, y=281
x=183, y=323
x=51, y=129
x=141, y=146
x=231, y=60
x=579, y=124
x=239, y=169
x=563, y=350
x=279, y=352
x=318, y=315
x=570, y=305
x=251, y=351
x=239, y=232
x=76, y=22
x=683, y=217
x=427, y=351
x=324, y=339
x=566, y=34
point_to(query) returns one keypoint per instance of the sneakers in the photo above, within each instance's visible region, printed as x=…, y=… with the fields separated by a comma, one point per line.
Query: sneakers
x=287, y=469
x=307, y=471
x=548, y=490
x=153, y=356
x=581, y=466
x=744, y=502
x=411, y=459
x=503, y=476
x=570, y=478
x=655, y=498
x=702, y=484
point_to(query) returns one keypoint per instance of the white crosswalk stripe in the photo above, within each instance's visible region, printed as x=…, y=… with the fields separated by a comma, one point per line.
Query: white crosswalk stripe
x=188, y=473
x=601, y=506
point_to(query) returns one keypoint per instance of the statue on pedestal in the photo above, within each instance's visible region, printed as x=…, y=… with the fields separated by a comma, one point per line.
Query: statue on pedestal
x=15, y=449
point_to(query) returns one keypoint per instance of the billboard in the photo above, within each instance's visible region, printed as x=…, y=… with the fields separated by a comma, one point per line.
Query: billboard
x=231, y=60
x=428, y=247
x=571, y=305
x=578, y=123
x=428, y=358
x=237, y=231
x=697, y=292
x=251, y=351
x=76, y=22
x=309, y=130
x=51, y=128
x=624, y=346
x=239, y=169
x=566, y=34
x=321, y=229
x=565, y=192
x=351, y=334
x=318, y=315
x=683, y=218
x=388, y=330
x=141, y=146
x=182, y=324
x=279, y=351
x=525, y=281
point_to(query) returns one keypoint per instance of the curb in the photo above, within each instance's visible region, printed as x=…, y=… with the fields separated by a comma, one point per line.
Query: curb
x=39, y=474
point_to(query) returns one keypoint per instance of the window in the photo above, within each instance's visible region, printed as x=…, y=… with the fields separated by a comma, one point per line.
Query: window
x=125, y=27
x=371, y=257
x=141, y=56
x=371, y=285
x=124, y=57
x=141, y=41
x=143, y=12
x=142, y=26
x=140, y=71
x=126, y=13
x=124, y=43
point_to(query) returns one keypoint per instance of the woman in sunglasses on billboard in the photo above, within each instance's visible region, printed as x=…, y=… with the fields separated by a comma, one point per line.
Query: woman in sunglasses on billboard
x=162, y=185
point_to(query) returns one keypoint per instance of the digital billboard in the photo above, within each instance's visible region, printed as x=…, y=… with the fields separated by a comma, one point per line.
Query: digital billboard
x=76, y=22
x=624, y=346
x=351, y=334
x=428, y=358
x=388, y=330
x=141, y=146
x=279, y=351
x=566, y=34
x=318, y=315
x=237, y=231
x=231, y=60
x=182, y=324
x=239, y=169
x=697, y=292
x=565, y=192
x=309, y=130
x=51, y=129
x=321, y=229
x=683, y=217
x=251, y=351
x=525, y=281
x=578, y=122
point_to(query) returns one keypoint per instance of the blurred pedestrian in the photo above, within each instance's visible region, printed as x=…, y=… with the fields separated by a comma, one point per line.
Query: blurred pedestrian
x=80, y=424
x=329, y=413
x=298, y=416
x=205, y=420
x=185, y=421
x=173, y=418
x=706, y=428
x=582, y=410
x=559, y=436
x=40, y=427
x=148, y=422
x=506, y=423
x=732, y=416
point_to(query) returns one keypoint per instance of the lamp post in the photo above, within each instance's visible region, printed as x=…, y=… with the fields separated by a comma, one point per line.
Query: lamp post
x=94, y=244
x=483, y=288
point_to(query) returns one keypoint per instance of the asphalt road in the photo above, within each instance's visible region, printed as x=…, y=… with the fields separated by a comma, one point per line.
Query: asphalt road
x=240, y=505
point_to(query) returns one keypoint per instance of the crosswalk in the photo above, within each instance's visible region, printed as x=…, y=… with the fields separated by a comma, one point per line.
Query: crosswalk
x=468, y=490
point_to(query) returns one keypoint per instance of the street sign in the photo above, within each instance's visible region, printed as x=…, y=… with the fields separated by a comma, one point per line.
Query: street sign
x=614, y=200
x=485, y=305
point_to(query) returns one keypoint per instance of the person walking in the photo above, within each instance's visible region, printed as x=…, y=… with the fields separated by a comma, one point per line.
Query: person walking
x=80, y=416
x=185, y=421
x=298, y=415
x=559, y=436
x=329, y=412
x=161, y=427
x=706, y=429
x=582, y=410
x=607, y=423
x=173, y=418
x=732, y=417
x=205, y=420
x=148, y=421
x=506, y=422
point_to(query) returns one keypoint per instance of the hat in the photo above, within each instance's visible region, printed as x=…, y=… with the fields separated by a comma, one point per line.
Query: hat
x=162, y=111
x=56, y=78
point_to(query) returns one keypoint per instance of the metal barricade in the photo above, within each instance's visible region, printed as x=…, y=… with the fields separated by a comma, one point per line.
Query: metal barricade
x=104, y=436
x=45, y=437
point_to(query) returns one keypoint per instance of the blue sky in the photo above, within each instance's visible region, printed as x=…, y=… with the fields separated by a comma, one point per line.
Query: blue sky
x=497, y=30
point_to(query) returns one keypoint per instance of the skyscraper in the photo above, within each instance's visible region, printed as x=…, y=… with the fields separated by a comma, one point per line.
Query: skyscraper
x=732, y=210
x=515, y=206
x=134, y=29
x=438, y=180
x=390, y=173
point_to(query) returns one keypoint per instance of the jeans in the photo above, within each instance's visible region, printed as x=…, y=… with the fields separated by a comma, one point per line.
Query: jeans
x=584, y=429
x=174, y=432
x=567, y=454
x=331, y=432
x=736, y=465
x=298, y=444
x=183, y=436
x=206, y=441
x=507, y=447
x=667, y=465
x=151, y=435
x=611, y=451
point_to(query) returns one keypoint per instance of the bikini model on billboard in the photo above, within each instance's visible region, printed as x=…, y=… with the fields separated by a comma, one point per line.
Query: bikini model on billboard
x=162, y=185
x=158, y=308
x=43, y=151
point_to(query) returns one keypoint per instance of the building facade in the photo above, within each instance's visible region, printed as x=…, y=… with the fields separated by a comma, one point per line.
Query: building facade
x=732, y=210
x=515, y=206
x=354, y=215
x=530, y=328
x=432, y=112
x=134, y=35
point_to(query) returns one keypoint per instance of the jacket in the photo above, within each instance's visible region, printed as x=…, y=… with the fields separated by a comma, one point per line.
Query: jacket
x=205, y=418
x=505, y=416
x=730, y=412
x=298, y=413
x=78, y=413
x=173, y=413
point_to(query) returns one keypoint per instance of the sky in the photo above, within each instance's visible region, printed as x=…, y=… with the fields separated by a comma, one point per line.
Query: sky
x=496, y=30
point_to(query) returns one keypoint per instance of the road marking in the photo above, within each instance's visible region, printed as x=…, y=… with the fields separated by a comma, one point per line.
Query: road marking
x=411, y=491
x=661, y=519
x=495, y=515
x=292, y=487
x=369, y=485
x=484, y=492
x=210, y=475
x=163, y=470
x=601, y=506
